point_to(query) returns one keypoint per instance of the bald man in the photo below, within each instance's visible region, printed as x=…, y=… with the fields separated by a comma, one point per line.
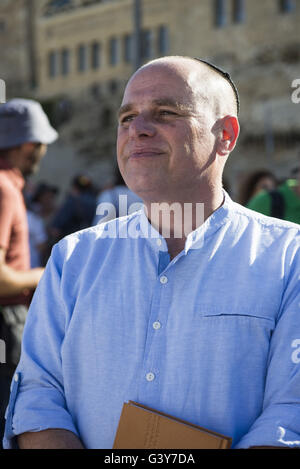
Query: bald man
x=189, y=306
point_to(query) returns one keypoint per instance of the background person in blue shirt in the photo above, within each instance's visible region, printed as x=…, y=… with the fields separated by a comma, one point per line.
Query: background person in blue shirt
x=203, y=324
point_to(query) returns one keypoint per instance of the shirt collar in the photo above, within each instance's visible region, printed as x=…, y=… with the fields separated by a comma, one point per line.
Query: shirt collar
x=196, y=238
x=14, y=174
x=212, y=224
x=157, y=241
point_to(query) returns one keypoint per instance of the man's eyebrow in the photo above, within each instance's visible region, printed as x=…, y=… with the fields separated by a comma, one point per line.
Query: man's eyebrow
x=156, y=102
x=124, y=109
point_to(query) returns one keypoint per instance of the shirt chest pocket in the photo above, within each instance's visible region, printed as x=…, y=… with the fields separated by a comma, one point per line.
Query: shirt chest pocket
x=227, y=324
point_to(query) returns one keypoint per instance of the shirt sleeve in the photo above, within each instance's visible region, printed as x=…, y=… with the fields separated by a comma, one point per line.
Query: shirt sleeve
x=279, y=422
x=37, y=400
x=6, y=217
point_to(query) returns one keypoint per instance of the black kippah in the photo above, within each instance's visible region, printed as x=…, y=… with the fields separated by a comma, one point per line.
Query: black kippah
x=227, y=77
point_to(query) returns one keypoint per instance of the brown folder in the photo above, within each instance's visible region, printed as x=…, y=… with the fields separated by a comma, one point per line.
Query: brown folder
x=142, y=427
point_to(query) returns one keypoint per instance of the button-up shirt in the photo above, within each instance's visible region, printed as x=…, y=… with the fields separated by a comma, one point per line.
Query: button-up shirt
x=211, y=336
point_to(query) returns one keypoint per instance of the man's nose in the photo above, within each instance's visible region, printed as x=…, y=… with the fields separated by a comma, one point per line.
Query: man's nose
x=141, y=126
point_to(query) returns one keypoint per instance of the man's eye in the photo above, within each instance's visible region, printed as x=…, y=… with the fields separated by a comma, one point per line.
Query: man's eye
x=125, y=119
x=166, y=112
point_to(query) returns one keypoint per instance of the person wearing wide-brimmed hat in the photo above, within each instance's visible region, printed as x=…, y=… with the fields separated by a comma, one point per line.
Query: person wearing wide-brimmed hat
x=25, y=133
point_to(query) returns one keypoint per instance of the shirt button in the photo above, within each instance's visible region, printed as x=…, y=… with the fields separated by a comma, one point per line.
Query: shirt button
x=163, y=279
x=16, y=378
x=150, y=376
x=156, y=325
x=159, y=242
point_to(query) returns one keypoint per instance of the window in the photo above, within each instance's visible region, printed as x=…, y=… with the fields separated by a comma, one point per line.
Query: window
x=96, y=90
x=81, y=58
x=65, y=62
x=128, y=48
x=239, y=13
x=163, y=40
x=220, y=13
x=106, y=118
x=52, y=64
x=146, y=51
x=55, y=6
x=112, y=86
x=96, y=55
x=287, y=6
x=113, y=51
x=2, y=26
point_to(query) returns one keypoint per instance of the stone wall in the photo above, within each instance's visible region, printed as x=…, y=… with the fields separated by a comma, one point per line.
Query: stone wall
x=14, y=68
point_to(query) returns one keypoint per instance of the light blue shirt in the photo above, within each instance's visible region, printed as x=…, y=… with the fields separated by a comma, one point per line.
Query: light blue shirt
x=212, y=336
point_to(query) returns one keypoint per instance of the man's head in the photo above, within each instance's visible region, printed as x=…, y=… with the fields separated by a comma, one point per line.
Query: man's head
x=177, y=126
x=25, y=132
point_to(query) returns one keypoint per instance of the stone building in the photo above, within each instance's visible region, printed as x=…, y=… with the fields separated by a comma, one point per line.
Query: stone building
x=17, y=28
x=75, y=56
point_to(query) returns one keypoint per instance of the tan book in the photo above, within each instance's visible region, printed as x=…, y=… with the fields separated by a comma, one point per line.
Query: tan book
x=143, y=427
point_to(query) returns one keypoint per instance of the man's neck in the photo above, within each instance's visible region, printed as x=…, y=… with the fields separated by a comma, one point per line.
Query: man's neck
x=176, y=220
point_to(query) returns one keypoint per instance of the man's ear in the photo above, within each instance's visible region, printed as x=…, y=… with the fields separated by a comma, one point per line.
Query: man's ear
x=229, y=131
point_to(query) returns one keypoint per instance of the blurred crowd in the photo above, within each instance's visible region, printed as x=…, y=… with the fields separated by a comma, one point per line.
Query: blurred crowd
x=263, y=192
x=49, y=221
